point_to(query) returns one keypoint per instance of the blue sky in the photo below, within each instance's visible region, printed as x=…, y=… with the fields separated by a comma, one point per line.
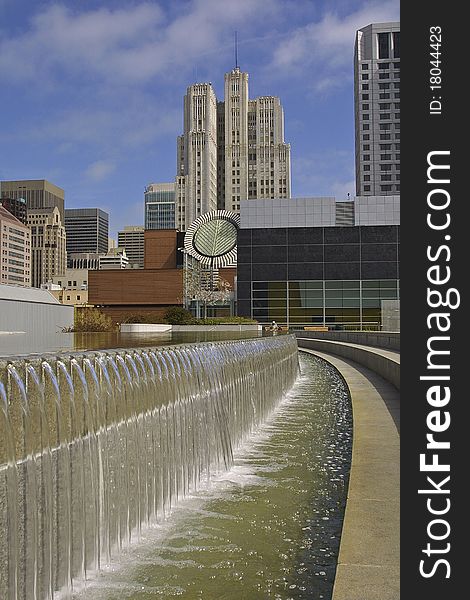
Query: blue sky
x=92, y=92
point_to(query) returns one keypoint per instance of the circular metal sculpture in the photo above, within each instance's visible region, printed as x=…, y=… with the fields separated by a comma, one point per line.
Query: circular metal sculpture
x=212, y=238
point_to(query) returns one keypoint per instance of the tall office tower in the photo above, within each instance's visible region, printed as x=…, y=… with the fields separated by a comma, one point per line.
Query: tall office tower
x=15, y=206
x=236, y=138
x=87, y=230
x=131, y=238
x=221, y=155
x=377, y=109
x=159, y=206
x=38, y=193
x=257, y=160
x=48, y=252
x=196, y=180
x=15, y=241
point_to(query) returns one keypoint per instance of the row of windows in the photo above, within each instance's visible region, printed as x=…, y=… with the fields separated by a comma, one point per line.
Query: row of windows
x=384, y=96
x=383, y=86
x=382, y=137
x=396, y=75
x=384, y=188
x=383, y=177
x=382, y=65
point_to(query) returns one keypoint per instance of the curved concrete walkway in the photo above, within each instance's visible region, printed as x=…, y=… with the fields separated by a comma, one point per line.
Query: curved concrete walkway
x=368, y=562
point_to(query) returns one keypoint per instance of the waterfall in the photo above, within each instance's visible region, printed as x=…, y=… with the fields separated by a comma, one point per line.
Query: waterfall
x=98, y=445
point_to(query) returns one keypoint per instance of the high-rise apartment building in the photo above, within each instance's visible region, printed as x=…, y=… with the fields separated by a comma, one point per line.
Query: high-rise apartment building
x=131, y=238
x=230, y=151
x=38, y=193
x=15, y=244
x=377, y=109
x=160, y=206
x=48, y=248
x=87, y=230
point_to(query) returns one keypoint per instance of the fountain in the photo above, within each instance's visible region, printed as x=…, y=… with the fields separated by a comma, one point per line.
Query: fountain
x=96, y=446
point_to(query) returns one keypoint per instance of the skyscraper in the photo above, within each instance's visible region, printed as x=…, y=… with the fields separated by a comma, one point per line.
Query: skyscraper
x=15, y=206
x=257, y=160
x=87, y=230
x=230, y=151
x=48, y=253
x=377, y=109
x=160, y=206
x=38, y=193
x=131, y=238
x=196, y=180
x=15, y=241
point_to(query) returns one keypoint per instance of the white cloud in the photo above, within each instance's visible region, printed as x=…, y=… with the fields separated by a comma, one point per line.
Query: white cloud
x=323, y=49
x=124, y=46
x=100, y=169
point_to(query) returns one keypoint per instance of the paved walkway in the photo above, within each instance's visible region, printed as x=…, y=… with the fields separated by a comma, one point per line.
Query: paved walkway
x=368, y=562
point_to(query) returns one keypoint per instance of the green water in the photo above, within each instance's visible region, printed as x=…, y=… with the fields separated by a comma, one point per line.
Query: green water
x=268, y=528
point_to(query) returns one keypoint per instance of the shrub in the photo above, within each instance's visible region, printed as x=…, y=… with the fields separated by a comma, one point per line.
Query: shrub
x=141, y=318
x=177, y=315
x=91, y=319
x=225, y=321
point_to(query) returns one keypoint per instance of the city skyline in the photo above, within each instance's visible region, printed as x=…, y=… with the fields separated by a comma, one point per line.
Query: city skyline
x=105, y=84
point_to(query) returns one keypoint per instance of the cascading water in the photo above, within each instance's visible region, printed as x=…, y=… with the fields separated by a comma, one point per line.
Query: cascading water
x=93, y=447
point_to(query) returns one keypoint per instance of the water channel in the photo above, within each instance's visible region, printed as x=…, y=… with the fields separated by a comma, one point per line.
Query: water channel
x=269, y=527
x=200, y=471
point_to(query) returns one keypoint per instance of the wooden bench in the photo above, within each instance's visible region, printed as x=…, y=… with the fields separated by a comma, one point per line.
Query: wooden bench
x=315, y=328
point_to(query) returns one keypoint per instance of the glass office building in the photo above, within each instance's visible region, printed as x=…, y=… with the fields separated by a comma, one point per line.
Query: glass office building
x=160, y=206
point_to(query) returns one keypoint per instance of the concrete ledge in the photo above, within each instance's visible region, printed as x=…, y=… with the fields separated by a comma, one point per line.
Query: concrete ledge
x=384, y=362
x=144, y=328
x=162, y=327
x=379, y=339
x=368, y=565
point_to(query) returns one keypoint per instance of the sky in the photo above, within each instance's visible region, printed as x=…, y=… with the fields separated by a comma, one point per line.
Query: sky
x=92, y=91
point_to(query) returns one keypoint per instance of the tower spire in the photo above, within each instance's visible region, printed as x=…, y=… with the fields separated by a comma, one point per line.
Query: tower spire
x=236, y=49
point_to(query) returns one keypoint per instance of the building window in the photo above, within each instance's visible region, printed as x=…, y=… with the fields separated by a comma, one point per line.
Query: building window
x=385, y=157
x=366, y=157
x=365, y=126
x=365, y=116
x=383, y=66
x=396, y=44
x=367, y=188
x=365, y=76
x=386, y=188
x=384, y=105
x=365, y=107
x=365, y=86
x=366, y=167
x=383, y=44
x=365, y=66
x=365, y=96
x=366, y=136
x=366, y=147
x=384, y=96
x=366, y=177
x=384, y=75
